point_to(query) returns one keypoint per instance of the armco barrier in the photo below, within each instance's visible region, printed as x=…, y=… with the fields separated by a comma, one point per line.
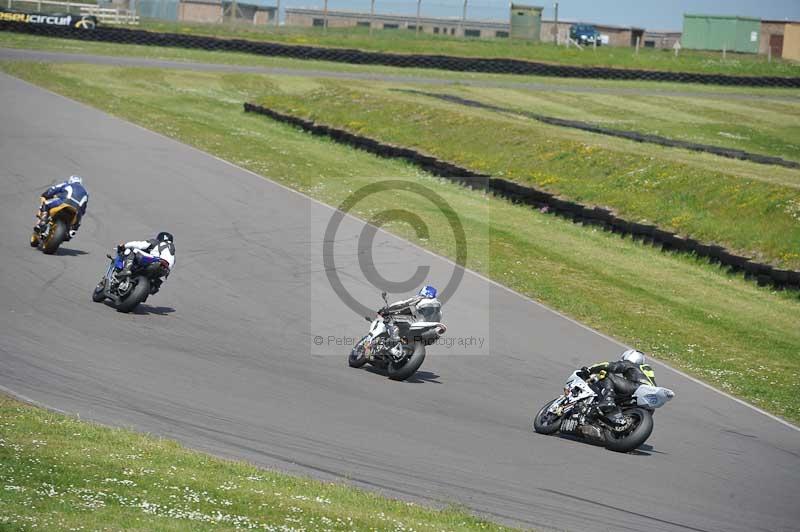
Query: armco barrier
x=630, y=135
x=596, y=216
x=439, y=62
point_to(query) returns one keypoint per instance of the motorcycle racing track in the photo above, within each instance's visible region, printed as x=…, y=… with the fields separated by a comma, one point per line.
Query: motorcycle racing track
x=220, y=358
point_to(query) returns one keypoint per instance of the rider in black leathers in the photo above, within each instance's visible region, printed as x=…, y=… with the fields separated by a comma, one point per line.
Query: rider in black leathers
x=619, y=378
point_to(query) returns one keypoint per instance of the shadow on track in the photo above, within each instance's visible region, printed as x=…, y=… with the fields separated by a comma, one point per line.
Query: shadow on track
x=417, y=378
x=66, y=252
x=144, y=310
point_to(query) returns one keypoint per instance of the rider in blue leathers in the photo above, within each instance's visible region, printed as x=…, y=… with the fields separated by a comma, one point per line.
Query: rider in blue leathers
x=70, y=191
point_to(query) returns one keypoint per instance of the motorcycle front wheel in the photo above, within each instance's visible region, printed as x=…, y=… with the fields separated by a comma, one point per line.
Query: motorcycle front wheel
x=546, y=422
x=412, y=363
x=625, y=442
x=97, y=294
x=357, y=357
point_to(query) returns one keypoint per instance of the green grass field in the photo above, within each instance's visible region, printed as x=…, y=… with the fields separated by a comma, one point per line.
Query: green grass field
x=718, y=327
x=58, y=473
x=765, y=126
x=753, y=212
x=405, y=41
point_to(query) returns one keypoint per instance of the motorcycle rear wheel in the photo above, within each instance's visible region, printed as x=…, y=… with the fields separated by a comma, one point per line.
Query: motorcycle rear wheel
x=401, y=373
x=546, y=423
x=137, y=294
x=58, y=232
x=627, y=442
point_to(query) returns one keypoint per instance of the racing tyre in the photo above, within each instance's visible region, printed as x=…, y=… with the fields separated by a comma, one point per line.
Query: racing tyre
x=97, y=295
x=357, y=357
x=401, y=373
x=545, y=422
x=137, y=294
x=57, y=235
x=628, y=441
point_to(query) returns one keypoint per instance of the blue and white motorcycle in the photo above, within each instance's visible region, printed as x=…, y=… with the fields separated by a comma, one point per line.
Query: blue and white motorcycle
x=128, y=291
x=575, y=412
x=396, y=343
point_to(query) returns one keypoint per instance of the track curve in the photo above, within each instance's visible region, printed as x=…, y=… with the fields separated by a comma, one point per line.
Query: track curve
x=220, y=359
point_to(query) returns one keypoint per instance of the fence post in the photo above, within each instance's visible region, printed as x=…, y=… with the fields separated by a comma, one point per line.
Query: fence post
x=277, y=13
x=769, y=54
x=419, y=4
x=638, y=38
x=724, y=46
x=371, y=16
x=555, y=23
x=463, y=17
x=325, y=18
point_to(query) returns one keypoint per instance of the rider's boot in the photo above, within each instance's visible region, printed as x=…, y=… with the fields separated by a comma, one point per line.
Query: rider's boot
x=608, y=407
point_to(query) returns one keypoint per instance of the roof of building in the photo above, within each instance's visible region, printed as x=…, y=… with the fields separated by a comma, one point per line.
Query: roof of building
x=596, y=25
x=726, y=17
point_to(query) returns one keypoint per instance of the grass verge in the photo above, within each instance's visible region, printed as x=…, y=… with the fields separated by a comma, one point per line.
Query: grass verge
x=58, y=473
x=717, y=327
x=751, y=213
x=404, y=41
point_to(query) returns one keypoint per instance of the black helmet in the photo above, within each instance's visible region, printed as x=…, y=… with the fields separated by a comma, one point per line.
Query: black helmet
x=163, y=236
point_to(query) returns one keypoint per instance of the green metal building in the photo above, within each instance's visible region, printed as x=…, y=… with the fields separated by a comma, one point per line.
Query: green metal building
x=526, y=22
x=714, y=32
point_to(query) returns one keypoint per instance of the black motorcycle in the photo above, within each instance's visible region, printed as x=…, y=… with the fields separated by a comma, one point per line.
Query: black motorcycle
x=127, y=291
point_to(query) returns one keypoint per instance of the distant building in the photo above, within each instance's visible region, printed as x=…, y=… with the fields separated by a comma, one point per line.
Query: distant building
x=208, y=11
x=614, y=35
x=773, y=36
x=526, y=22
x=661, y=39
x=433, y=26
x=715, y=32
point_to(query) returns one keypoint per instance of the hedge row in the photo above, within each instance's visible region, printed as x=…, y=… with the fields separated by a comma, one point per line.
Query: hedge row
x=764, y=274
x=630, y=135
x=344, y=55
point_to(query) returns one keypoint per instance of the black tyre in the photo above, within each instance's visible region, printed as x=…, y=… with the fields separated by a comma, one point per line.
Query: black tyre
x=57, y=235
x=97, y=295
x=412, y=364
x=137, y=294
x=545, y=422
x=626, y=442
x=357, y=357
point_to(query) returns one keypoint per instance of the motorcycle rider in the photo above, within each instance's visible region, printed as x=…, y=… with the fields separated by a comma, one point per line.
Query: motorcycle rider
x=422, y=307
x=620, y=377
x=70, y=191
x=161, y=247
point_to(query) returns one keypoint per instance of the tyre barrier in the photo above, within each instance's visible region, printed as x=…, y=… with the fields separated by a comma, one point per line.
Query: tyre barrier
x=360, y=57
x=730, y=153
x=763, y=274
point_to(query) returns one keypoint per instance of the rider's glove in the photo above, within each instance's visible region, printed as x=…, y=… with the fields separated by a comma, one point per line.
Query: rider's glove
x=120, y=248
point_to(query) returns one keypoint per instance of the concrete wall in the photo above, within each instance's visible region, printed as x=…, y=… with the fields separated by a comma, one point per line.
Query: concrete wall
x=791, y=41
x=660, y=39
x=199, y=12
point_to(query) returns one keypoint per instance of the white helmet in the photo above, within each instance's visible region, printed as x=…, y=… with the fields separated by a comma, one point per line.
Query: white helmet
x=633, y=356
x=75, y=179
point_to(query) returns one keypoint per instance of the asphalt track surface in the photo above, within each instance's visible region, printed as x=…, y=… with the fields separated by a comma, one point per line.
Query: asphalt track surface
x=578, y=86
x=222, y=359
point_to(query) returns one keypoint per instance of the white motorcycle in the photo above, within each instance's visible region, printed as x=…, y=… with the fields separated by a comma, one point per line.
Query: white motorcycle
x=575, y=412
x=396, y=343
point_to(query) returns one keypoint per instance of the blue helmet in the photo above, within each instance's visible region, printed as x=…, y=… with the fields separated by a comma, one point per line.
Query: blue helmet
x=428, y=292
